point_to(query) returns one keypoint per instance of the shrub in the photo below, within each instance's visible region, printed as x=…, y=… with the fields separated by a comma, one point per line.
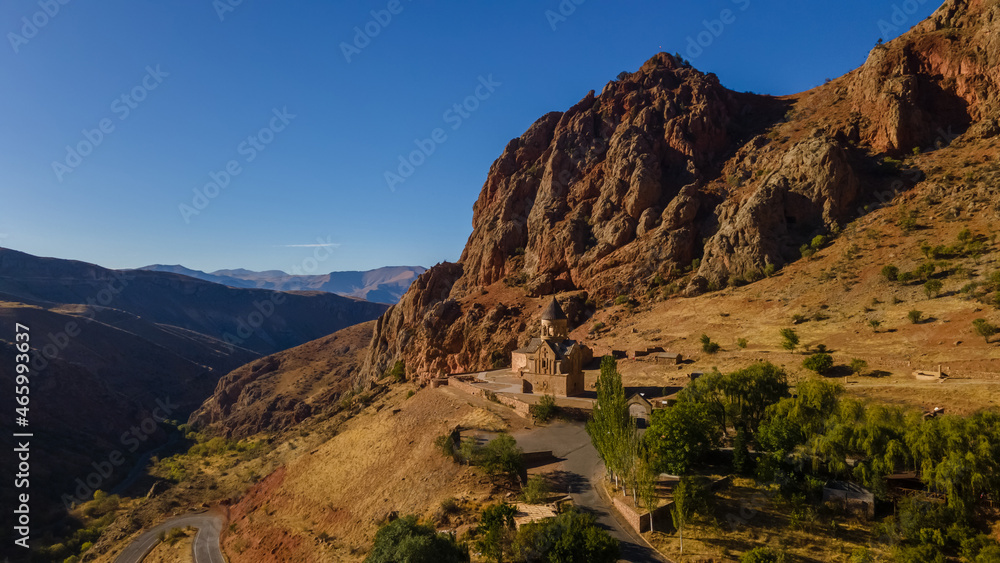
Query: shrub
x=404, y=539
x=858, y=366
x=798, y=319
x=818, y=242
x=398, y=371
x=708, y=346
x=536, y=490
x=759, y=555
x=545, y=409
x=820, y=363
x=501, y=458
x=932, y=287
x=790, y=339
x=915, y=316
x=890, y=272
x=622, y=300
x=446, y=446
x=769, y=270
x=874, y=324
x=741, y=343
x=598, y=326
x=984, y=328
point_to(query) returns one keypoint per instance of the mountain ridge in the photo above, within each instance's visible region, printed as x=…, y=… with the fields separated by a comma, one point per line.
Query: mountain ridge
x=381, y=285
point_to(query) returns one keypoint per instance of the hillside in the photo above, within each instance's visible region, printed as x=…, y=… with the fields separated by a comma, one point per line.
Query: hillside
x=667, y=175
x=281, y=390
x=382, y=285
x=111, y=346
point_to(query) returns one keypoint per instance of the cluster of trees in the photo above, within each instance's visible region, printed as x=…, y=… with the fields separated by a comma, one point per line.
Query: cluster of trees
x=821, y=433
x=570, y=536
x=500, y=457
x=614, y=434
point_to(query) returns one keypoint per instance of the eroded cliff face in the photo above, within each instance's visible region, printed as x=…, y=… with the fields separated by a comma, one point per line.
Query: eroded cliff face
x=666, y=166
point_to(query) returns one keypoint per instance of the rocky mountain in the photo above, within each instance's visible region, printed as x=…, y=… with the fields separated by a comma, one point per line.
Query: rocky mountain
x=283, y=389
x=668, y=179
x=109, y=347
x=382, y=285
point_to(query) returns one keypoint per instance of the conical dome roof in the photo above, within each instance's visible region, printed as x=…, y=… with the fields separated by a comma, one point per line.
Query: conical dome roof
x=553, y=312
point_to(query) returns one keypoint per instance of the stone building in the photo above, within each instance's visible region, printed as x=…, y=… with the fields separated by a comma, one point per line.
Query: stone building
x=552, y=364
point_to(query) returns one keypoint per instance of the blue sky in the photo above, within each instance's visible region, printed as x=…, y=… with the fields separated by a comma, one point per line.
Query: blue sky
x=185, y=90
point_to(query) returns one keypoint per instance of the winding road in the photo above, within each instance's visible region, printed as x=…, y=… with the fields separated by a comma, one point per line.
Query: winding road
x=206, y=542
x=581, y=467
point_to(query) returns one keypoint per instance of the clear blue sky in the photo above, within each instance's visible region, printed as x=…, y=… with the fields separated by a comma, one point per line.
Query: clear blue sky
x=322, y=177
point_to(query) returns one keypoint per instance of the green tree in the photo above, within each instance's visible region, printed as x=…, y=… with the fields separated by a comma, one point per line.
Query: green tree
x=820, y=363
x=679, y=436
x=708, y=346
x=915, y=316
x=858, y=366
x=501, y=458
x=789, y=338
x=404, y=539
x=890, y=272
x=793, y=420
x=932, y=287
x=611, y=428
x=646, y=485
x=984, y=328
x=398, y=371
x=759, y=555
x=690, y=498
x=536, y=490
x=741, y=453
x=569, y=537
x=545, y=409
x=496, y=531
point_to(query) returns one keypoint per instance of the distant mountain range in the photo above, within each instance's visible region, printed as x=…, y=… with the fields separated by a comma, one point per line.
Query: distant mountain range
x=382, y=285
x=109, y=346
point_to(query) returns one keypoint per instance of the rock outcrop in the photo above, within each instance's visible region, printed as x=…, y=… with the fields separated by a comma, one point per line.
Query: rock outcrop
x=622, y=192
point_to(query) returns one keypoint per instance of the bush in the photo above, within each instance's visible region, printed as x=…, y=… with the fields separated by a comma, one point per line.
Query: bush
x=759, y=555
x=820, y=363
x=741, y=343
x=622, y=300
x=769, y=270
x=790, y=339
x=501, y=458
x=915, y=316
x=890, y=272
x=598, y=326
x=446, y=446
x=818, y=242
x=984, y=328
x=933, y=287
x=404, y=539
x=570, y=536
x=536, y=490
x=545, y=409
x=398, y=371
x=858, y=366
x=708, y=346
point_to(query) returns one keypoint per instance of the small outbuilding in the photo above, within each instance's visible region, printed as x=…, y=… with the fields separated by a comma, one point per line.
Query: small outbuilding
x=852, y=496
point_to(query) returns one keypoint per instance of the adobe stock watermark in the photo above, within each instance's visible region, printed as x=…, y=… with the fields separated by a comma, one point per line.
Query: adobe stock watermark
x=249, y=148
x=365, y=34
x=225, y=7
x=455, y=117
x=122, y=107
x=563, y=11
x=248, y=325
x=130, y=440
x=901, y=18
x=56, y=342
x=696, y=44
x=32, y=25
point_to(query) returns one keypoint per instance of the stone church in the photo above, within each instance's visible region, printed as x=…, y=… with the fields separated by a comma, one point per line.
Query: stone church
x=552, y=364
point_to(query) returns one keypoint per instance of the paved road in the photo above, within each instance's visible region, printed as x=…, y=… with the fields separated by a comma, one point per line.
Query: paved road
x=580, y=468
x=206, y=541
